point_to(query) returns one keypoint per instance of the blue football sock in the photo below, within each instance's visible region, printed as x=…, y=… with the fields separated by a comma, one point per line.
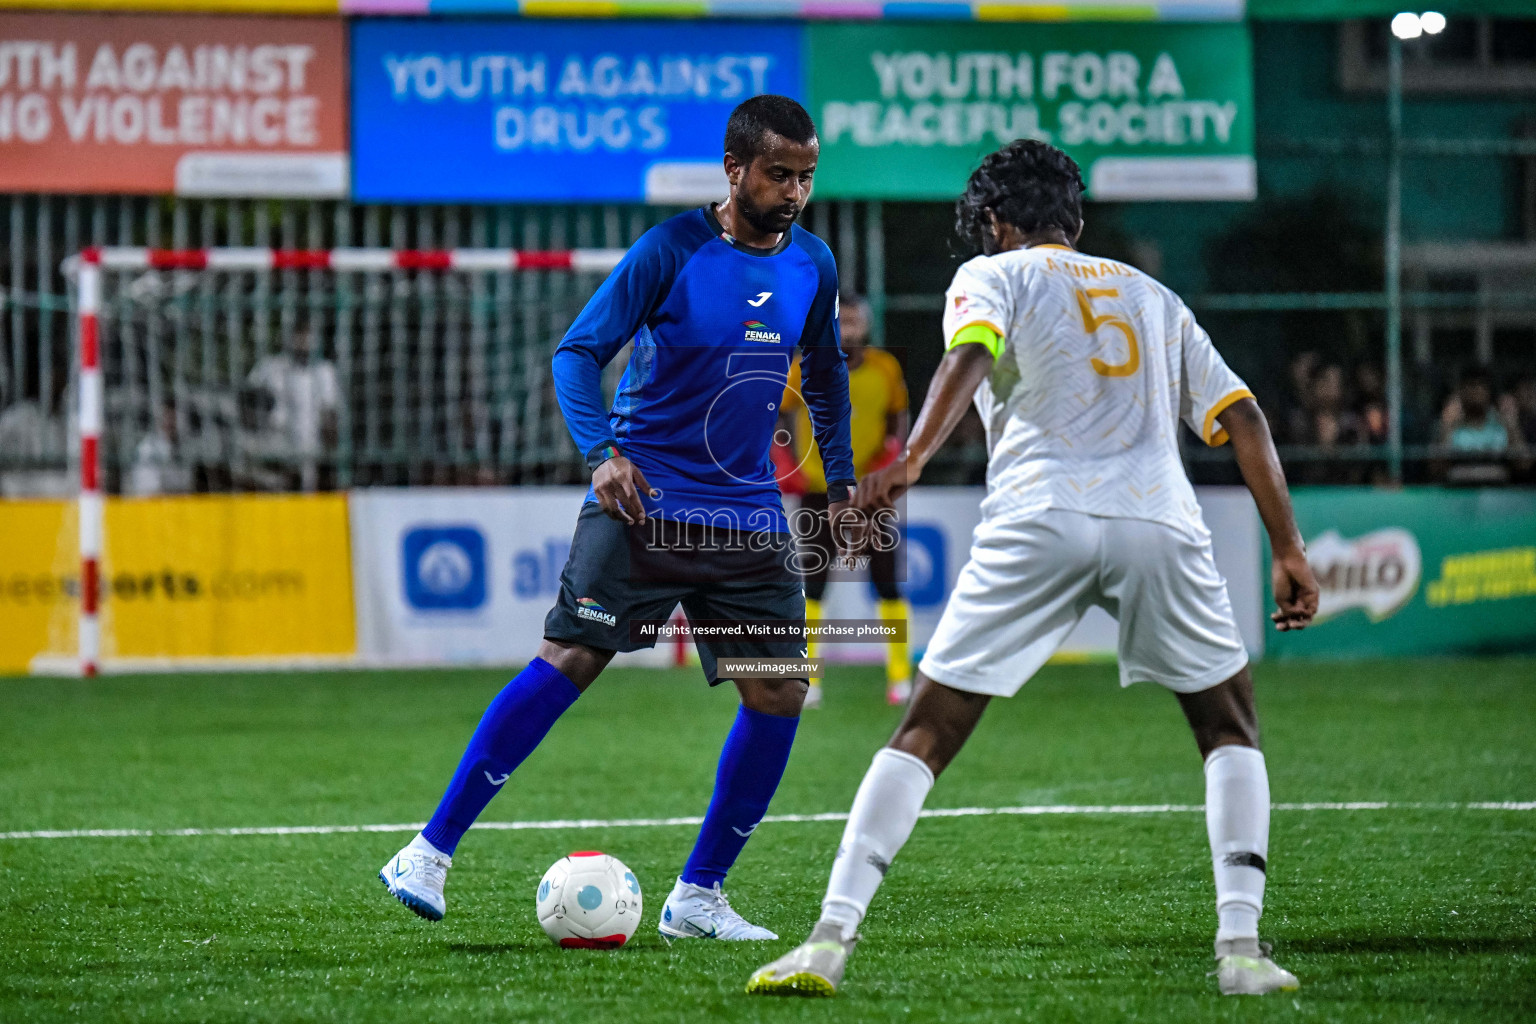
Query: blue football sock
x=751, y=765
x=518, y=719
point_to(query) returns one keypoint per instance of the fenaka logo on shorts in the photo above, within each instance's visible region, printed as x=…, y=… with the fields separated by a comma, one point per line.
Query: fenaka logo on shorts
x=587, y=608
x=759, y=331
x=1378, y=572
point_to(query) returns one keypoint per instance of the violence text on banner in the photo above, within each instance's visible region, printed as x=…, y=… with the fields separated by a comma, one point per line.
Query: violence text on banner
x=194, y=105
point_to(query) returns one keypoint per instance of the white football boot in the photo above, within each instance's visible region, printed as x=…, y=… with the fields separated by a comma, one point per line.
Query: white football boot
x=1243, y=968
x=813, y=968
x=415, y=876
x=898, y=693
x=812, y=697
x=693, y=912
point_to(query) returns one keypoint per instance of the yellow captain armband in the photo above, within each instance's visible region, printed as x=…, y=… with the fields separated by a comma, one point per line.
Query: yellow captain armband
x=979, y=334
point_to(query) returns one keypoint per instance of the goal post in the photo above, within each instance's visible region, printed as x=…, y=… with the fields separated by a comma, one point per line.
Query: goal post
x=93, y=268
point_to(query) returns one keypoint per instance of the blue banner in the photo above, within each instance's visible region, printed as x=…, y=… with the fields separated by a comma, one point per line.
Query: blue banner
x=492, y=111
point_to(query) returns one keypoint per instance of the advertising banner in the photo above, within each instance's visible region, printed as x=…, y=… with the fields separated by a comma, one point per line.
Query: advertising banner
x=228, y=576
x=39, y=582
x=192, y=579
x=1421, y=571
x=454, y=576
x=491, y=111
x=926, y=10
x=194, y=105
x=1149, y=111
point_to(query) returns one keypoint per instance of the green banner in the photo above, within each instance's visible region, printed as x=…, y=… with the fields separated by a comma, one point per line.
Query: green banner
x=1150, y=111
x=1421, y=571
x=1340, y=10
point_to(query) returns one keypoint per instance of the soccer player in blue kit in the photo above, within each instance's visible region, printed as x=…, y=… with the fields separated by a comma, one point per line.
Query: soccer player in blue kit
x=684, y=507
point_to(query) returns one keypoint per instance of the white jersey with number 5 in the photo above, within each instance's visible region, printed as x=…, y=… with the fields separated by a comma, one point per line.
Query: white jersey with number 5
x=1099, y=363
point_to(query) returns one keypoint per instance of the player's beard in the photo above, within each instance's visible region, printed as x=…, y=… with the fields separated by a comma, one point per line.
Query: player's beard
x=769, y=222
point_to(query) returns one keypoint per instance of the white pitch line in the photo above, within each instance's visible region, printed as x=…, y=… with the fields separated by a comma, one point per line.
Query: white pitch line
x=588, y=823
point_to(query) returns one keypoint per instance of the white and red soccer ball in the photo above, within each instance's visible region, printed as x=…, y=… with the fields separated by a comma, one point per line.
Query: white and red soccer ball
x=589, y=900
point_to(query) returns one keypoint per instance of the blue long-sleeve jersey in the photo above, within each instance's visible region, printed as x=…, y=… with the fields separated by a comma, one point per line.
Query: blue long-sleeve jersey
x=715, y=324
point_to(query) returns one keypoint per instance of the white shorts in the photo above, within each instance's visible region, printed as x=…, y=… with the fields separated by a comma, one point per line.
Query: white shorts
x=1029, y=582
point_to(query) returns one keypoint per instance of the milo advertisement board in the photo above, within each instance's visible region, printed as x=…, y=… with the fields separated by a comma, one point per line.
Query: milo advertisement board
x=1419, y=571
x=1150, y=111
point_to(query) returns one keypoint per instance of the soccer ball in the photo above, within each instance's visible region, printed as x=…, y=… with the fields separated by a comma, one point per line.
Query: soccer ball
x=589, y=900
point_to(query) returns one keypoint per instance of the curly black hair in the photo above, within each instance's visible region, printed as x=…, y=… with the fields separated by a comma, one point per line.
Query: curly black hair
x=1030, y=184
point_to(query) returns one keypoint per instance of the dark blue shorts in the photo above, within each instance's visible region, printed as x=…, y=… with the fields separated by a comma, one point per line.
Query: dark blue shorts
x=619, y=577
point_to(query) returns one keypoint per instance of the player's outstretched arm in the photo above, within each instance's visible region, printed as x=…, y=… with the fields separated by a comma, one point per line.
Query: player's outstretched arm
x=960, y=373
x=1295, y=586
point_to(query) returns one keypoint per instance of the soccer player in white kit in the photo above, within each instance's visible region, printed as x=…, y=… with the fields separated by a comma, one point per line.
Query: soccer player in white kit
x=1081, y=369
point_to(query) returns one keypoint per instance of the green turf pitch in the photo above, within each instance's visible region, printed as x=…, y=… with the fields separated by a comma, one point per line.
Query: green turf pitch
x=1386, y=915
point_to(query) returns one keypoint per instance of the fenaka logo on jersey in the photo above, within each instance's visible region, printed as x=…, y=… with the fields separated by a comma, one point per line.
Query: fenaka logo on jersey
x=759, y=331
x=587, y=608
x=1378, y=572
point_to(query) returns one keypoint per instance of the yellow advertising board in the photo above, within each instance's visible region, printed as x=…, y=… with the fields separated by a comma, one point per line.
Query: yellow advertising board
x=39, y=581
x=201, y=577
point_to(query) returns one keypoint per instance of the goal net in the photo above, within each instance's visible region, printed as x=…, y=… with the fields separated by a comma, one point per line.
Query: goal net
x=220, y=386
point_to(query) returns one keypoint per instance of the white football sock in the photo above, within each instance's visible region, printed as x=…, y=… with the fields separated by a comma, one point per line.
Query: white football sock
x=883, y=814
x=1237, y=821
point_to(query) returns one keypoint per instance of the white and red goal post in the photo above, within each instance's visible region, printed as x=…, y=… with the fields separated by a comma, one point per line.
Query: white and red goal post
x=88, y=269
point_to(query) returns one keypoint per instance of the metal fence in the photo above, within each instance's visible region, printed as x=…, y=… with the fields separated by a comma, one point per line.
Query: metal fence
x=439, y=378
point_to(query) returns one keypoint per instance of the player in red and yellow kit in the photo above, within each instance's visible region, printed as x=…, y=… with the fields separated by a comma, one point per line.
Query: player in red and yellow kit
x=878, y=394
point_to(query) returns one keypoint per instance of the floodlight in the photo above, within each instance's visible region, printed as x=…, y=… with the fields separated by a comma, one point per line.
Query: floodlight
x=1407, y=26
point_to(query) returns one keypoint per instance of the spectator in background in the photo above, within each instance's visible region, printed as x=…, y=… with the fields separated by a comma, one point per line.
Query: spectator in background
x=1333, y=422
x=1302, y=369
x=1324, y=421
x=1478, y=434
x=1523, y=407
x=156, y=469
x=300, y=408
x=1370, y=404
x=35, y=441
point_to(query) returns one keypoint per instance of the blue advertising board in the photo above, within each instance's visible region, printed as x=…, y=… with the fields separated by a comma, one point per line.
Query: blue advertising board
x=491, y=111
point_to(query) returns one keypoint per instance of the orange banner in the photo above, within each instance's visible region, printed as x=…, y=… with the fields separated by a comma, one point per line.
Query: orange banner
x=194, y=105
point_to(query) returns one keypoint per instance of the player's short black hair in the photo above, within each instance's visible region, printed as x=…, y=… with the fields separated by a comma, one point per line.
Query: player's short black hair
x=752, y=121
x=1030, y=184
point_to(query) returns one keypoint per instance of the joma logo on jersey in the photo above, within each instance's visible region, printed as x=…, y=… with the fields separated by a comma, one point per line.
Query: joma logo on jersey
x=759, y=331
x=587, y=608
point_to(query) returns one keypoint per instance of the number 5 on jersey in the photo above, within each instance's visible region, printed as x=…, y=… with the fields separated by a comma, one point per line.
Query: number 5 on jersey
x=1092, y=323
